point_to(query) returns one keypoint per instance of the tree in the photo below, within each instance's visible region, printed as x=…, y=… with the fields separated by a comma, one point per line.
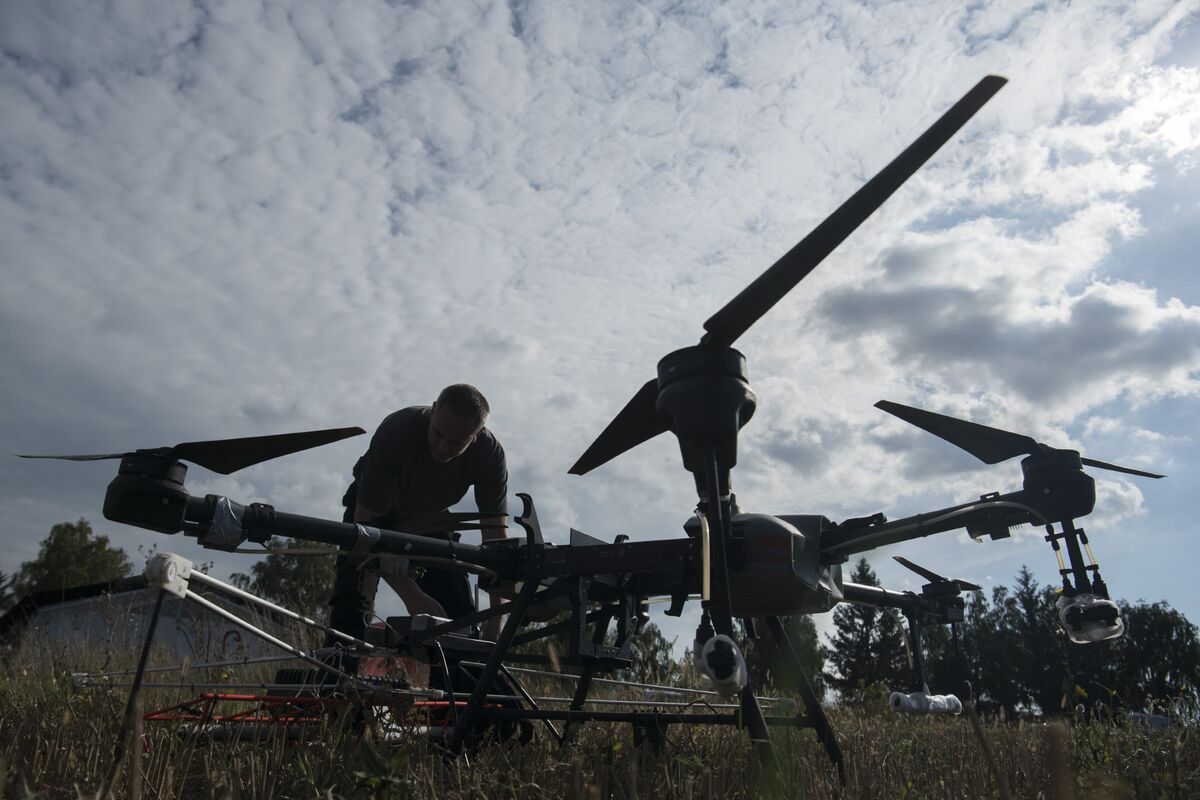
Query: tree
x=652, y=659
x=769, y=664
x=1155, y=662
x=72, y=555
x=301, y=583
x=6, y=595
x=867, y=646
x=1159, y=655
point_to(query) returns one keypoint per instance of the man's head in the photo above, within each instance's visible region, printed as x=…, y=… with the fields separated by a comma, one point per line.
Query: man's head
x=458, y=417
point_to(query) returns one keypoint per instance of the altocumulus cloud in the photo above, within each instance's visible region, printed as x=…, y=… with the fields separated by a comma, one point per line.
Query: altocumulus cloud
x=225, y=219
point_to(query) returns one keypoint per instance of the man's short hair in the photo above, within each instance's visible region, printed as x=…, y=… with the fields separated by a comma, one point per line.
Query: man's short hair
x=466, y=401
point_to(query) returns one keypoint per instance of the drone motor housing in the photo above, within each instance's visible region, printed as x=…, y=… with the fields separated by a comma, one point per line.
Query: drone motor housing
x=1057, y=485
x=148, y=493
x=704, y=397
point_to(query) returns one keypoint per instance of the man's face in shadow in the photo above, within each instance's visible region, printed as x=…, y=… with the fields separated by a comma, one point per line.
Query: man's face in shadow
x=450, y=434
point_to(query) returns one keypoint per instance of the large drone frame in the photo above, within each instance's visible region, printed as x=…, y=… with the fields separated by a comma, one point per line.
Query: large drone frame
x=702, y=395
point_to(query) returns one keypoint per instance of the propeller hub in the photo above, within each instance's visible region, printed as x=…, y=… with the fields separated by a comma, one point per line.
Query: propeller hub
x=704, y=398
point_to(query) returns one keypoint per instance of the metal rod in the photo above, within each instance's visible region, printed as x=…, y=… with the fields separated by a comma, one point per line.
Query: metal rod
x=435, y=694
x=297, y=652
x=720, y=606
x=131, y=706
x=278, y=609
x=1082, y=583
x=485, y=678
x=180, y=667
x=533, y=701
x=816, y=714
x=634, y=716
x=614, y=682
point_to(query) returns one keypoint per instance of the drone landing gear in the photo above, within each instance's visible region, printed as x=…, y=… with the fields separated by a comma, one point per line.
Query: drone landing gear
x=815, y=715
x=1084, y=608
x=719, y=515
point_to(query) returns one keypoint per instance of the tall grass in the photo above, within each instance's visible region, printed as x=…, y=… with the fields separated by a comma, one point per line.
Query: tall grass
x=57, y=740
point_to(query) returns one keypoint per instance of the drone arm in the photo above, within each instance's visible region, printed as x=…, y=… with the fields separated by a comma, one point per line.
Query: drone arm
x=877, y=596
x=259, y=522
x=990, y=514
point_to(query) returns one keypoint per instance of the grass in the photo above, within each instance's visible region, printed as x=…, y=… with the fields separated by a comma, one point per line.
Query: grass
x=57, y=741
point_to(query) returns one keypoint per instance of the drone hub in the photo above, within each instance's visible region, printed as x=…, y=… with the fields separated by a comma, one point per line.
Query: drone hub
x=704, y=397
x=148, y=493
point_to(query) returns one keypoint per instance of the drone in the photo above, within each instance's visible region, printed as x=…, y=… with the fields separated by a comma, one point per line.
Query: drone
x=740, y=565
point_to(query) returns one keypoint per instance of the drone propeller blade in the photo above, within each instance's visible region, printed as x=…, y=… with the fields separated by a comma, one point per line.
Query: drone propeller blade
x=989, y=445
x=739, y=314
x=927, y=574
x=94, y=457
x=225, y=456
x=933, y=577
x=637, y=422
x=1091, y=462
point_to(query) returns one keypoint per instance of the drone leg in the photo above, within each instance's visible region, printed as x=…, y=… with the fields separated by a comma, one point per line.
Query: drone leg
x=816, y=714
x=720, y=607
x=914, y=638
x=484, y=683
x=585, y=679
x=1077, y=570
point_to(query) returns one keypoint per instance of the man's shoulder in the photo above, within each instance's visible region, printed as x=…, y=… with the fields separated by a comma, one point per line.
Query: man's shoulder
x=399, y=427
x=487, y=442
x=409, y=418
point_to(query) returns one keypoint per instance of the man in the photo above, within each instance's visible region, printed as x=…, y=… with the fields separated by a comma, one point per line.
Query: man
x=422, y=458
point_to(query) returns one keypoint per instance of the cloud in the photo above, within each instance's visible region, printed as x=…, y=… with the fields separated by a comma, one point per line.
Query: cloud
x=231, y=219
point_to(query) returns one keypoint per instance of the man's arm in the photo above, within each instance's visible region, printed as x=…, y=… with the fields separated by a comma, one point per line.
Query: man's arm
x=415, y=599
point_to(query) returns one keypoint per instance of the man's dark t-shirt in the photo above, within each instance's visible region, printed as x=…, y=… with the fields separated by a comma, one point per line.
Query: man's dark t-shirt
x=398, y=473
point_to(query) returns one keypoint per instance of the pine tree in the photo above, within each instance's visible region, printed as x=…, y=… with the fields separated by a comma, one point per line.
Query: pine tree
x=867, y=646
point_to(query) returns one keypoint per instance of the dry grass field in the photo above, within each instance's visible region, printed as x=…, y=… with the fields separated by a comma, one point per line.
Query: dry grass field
x=58, y=741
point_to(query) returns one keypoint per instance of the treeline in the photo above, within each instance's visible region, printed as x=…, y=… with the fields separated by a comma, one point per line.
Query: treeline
x=1017, y=658
x=1010, y=646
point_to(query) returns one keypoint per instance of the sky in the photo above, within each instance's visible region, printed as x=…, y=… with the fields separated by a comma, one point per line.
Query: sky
x=223, y=219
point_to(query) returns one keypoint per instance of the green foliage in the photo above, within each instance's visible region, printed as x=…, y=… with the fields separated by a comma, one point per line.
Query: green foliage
x=72, y=555
x=771, y=666
x=1018, y=658
x=301, y=583
x=652, y=658
x=867, y=645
